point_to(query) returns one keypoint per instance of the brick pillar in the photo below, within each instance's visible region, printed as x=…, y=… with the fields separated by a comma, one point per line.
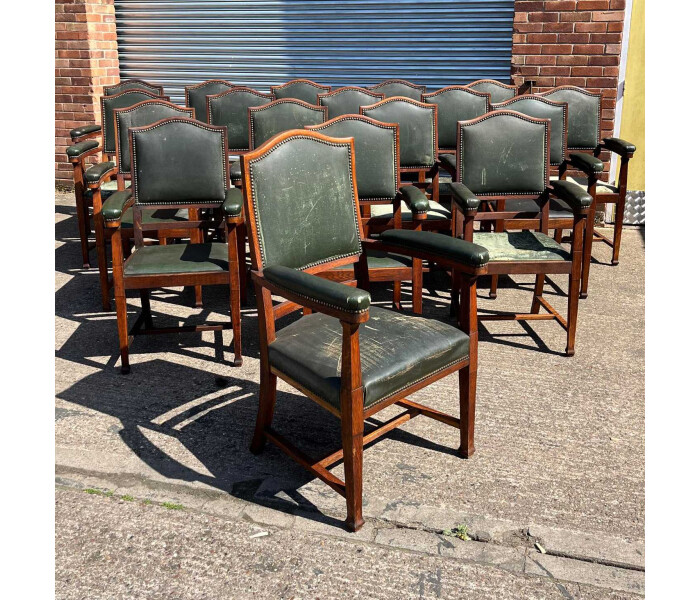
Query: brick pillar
x=86, y=60
x=571, y=42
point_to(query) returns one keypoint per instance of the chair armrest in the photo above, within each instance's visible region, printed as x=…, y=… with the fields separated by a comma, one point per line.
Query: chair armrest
x=463, y=197
x=86, y=131
x=78, y=151
x=578, y=199
x=317, y=293
x=97, y=174
x=448, y=162
x=114, y=207
x=415, y=199
x=461, y=254
x=619, y=146
x=587, y=163
x=233, y=204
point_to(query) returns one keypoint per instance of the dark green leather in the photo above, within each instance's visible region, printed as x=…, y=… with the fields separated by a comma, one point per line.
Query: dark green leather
x=282, y=116
x=76, y=150
x=520, y=246
x=504, y=154
x=498, y=93
x=384, y=212
x=98, y=171
x=113, y=207
x=455, y=105
x=179, y=162
x=132, y=84
x=231, y=110
x=584, y=116
x=303, y=199
x=233, y=205
x=109, y=104
x=177, y=258
x=448, y=161
x=528, y=207
x=197, y=96
x=537, y=107
x=149, y=216
x=84, y=130
x=376, y=160
x=300, y=90
x=396, y=351
x=416, y=130
x=619, y=146
x=145, y=114
x=463, y=196
x=587, y=163
x=572, y=194
x=377, y=259
x=324, y=291
x=438, y=245
x=414, y=198
x=393, y=88
x=235, y=169
x=348, y=101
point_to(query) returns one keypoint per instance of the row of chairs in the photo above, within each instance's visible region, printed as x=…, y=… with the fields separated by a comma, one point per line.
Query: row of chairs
x=306, y=196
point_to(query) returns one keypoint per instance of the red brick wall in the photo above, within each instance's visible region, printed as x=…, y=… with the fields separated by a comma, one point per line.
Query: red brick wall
x=86, y=60
x=570, y=42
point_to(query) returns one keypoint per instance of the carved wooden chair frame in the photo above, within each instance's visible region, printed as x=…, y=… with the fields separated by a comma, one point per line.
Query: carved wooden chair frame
x=274, y=88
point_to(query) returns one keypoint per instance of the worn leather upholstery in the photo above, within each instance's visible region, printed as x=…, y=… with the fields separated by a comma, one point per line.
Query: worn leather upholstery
x=499, y=92
x=80, y=148
x=463, y=196
x=619, y=146
x=602, y=187
x=324, y=291
x=520, y=246
x=179, y=161
x=233, y=204
x=414, y=198
x=571, y=194
x=448, y=161
x=396, y=351
x=84, y=130
x=132, y=84
x=113, y=207
x=377, y=259
x=196, y=95
x=417, y=133
x=113, y=210
x=455, y=104
x=230, y=109
x=584, y=115
x=178, y=258
x=347, y=101
x=527, y=208
x=98, y=171
x=109, y=105
x=280, y=116
x=300, y=90
x=586, y=162
x=543, y=108
x=436, y=212
x=395, y=88
x=304, y=203
x=235, y=168
x=138, y=116
x=432, y=242
x=376, y=160
x=503, y=153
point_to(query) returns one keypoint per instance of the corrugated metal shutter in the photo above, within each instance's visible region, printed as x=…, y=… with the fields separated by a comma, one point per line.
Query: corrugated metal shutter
x=360, y=42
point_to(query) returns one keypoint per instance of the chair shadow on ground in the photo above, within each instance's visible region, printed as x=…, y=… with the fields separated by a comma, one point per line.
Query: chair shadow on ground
x=210, y=414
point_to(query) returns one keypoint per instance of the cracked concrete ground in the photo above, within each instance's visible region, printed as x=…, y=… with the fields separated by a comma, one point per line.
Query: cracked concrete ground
x=560, y=447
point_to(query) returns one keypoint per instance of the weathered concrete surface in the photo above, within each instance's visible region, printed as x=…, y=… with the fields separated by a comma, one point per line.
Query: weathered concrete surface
x=560, y=441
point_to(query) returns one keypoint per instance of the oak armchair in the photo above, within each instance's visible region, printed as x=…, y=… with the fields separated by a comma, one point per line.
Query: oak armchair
x=499, y=92
x=300, y=89
x=196, y=95
x=393, y=88
x=351, y=358
x=347, y=100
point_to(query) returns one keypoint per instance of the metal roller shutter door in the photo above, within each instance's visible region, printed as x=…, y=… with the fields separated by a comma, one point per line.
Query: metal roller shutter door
x=360, y=42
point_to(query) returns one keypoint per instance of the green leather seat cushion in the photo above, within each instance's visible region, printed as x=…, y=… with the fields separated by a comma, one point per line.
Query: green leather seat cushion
x=557, y=210
x=178, y=258
x=601, y=187
x=159, y=215
x=396, y=351
x=382, y=260
x=235, y=168
x=520, y=245
x=436, y=212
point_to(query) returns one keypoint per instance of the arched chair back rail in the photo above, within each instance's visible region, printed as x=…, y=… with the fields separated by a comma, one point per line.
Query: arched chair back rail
x=196, y=95
x=347, y=100
x=300, y=89
x=270, y=119
x=392, y=88
x=499, y=92
x=133, y=84
x=304, y=218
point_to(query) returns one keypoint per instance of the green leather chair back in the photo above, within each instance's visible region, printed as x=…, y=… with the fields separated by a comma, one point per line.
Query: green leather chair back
x=417, y=129
x=133, y=84
x=542, y=108
x=139, y=115
x=503, y=153
x=304, y=200
x=584, y=114
x=196, y=95
x=499, y=92
x=268, y=120
x=109, y=104
x=392, y=88
x=347, y=100
x=300, y=89
x=179, y=161
x=376, y=154
x=455, y=103
x=230, y=108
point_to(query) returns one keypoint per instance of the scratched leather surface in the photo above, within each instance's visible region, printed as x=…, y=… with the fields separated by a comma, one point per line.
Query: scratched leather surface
x=198, y=98
x=396, y=350
x=520, y=245
x=503, y=154
x=347, y=102
x=299, y=90
x=282, y=117
x=390, y=90
x=304, y=203
x=584, y=128
x=110, y=103
x=498, y=93
x=453, y=106
x=231, y=111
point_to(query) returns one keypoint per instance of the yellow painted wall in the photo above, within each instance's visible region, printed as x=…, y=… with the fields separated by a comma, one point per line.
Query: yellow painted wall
x=632, y=124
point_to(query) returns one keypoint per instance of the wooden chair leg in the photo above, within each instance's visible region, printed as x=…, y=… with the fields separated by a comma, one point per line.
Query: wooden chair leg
x=146, y=308
x=587, y=252
x=101, y=245
x=558, y=235
x=235, y=299
x=494, y=286
x=417, y=286
x=242, y=267
x=539, y=289
x=82, y=229
x=123, y=328
x=572, y=315
x=266, y=409
x=397, y=295
x=617, y=235
x=467, y=375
